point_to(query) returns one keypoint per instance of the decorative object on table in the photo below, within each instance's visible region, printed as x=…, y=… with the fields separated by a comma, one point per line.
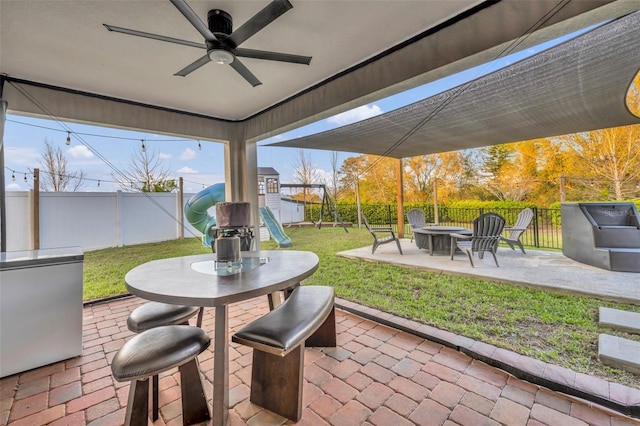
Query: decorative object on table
x=515, y=232
x=233, y=233
x=416, y=219
x=381, y=235
x=485, y=237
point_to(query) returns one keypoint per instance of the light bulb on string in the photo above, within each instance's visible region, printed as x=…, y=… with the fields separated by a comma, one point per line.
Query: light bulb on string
x=13, y=175
x=25, y=177
x=144, y=148
x=98, y=183
x=68, y=138
x=199, y=146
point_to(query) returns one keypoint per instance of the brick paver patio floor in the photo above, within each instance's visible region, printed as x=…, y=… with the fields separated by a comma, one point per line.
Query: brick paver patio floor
x=376, y=376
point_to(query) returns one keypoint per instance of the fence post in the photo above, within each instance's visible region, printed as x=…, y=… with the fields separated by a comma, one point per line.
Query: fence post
x=181, y=208
x=536, y=228
x=36, y=209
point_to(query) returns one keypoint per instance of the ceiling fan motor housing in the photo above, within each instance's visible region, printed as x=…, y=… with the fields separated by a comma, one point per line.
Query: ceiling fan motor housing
x=220, y=22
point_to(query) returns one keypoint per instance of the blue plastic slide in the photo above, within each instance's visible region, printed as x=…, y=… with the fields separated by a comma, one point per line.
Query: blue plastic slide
x=195, y=210
x=274, y=228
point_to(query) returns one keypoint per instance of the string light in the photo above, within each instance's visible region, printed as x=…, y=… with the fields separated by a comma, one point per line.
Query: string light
x=97, y=181
x=199, y=146
x=144, y=148
x=93, y=134
x=68, y=138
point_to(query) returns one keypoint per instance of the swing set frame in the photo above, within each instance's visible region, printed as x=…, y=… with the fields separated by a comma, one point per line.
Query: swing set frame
x=326, y=201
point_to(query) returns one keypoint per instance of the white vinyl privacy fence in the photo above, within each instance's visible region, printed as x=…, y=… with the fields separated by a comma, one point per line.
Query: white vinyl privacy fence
x=94, y=220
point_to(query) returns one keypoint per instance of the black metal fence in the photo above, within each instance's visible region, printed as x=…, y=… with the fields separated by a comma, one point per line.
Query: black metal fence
x=543, y=232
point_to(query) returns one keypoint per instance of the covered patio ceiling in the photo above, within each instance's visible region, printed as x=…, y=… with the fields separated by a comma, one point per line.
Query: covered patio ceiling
x=58, y=60
x=577, y=86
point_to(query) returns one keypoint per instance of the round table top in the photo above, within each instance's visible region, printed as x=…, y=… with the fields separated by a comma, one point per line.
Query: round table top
x=193, y=281
x=437, y=229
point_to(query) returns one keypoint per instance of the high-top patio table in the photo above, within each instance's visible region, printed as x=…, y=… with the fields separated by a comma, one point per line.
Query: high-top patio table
x=436, y=239
x=195, y=281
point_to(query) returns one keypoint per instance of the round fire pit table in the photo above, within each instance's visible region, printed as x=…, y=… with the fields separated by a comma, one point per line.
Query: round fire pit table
x=436, y=238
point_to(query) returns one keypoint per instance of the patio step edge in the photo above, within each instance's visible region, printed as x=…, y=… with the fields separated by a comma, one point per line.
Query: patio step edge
x=619, y=352
x=617, y=319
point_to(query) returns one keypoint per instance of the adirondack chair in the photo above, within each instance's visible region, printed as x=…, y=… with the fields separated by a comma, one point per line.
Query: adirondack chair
x=416, y=220
x=381, y=235
x=485, y=238
x=515, y=232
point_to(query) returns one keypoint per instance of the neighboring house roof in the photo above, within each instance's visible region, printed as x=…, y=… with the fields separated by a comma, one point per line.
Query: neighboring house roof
x=264, y=171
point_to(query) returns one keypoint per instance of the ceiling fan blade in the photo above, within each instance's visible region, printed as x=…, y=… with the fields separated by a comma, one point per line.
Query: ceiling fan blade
x=273, y=56
x=260, y=20
x=193, y=66
x=195, y=20
x=245, y=73
x=153, y=36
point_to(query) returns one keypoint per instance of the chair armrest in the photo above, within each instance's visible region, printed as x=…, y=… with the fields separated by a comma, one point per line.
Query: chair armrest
x=460, y=236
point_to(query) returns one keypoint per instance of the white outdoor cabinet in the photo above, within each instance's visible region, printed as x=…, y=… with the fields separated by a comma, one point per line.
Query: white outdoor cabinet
x=40, y=308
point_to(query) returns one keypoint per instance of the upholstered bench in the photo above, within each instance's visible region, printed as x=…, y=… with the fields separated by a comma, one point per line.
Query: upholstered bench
x=306, y=317
x=155, y=314
x=157, y=350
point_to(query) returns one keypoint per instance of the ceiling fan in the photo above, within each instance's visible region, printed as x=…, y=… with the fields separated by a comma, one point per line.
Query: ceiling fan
x=221, y=42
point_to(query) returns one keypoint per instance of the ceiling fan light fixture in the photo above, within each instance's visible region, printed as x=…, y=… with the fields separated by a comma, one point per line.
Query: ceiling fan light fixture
x=220, y=56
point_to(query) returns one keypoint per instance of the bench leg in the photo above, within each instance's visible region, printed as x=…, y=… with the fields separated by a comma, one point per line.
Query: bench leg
x=138, y=403
x=154, y=398
x=194, y=401
x=276, y=382
x=325, y=335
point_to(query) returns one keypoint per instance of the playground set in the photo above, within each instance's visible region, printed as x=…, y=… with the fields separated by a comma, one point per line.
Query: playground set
x=197, y=214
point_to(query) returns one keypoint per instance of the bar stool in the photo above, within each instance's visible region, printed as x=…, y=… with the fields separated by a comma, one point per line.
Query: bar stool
x=157, y=350
x=156, y=314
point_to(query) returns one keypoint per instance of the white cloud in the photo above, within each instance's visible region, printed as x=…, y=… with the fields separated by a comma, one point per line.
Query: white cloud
x=13, y=187
x=187, y=154
x=186, y=170
x=356, y=114
x=22, y=156
x=164, y=156
x=80, y=151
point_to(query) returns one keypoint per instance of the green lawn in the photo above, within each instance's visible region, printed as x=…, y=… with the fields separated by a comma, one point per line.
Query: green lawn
x=553, y=327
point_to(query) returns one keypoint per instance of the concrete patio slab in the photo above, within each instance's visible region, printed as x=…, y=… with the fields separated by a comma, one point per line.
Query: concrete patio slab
x=619, y=352
x=538, y=269
x=616, y=319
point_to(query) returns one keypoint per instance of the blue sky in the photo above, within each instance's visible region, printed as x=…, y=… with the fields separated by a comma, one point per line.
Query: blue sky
x=24, y=139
